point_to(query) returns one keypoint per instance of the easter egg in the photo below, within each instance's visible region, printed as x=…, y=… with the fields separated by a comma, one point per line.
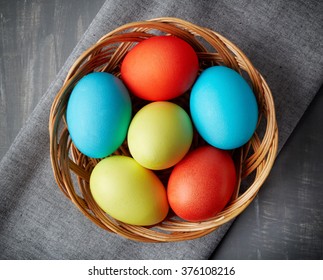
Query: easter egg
x=201, y=184
x=128, y=192
x=223, y=108
x=98, y=114
x=160, y=68
x=160, y=135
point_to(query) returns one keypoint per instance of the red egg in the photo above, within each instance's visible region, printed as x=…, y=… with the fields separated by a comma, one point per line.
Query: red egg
x=201, y=185
x=160, y=68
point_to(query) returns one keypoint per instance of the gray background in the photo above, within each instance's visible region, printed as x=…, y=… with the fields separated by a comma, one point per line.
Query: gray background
x=36, y=39
x=285, y=221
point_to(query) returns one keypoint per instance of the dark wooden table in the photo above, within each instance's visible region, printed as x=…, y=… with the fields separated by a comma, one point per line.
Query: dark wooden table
x=36, y=39
x=285, y=221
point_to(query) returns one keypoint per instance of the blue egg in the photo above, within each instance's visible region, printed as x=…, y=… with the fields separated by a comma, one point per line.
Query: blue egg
x=98, y=114
x=223, y=107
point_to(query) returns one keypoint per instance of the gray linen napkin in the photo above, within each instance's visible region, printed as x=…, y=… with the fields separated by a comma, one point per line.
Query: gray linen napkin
x=284, y=41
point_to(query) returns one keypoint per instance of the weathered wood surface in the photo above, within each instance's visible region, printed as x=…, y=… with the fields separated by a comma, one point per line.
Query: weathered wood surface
x=286, y=219
x=36, y=39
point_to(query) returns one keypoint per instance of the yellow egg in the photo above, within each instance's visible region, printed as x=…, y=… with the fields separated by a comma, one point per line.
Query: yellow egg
x=128, y=192
x=160, y=135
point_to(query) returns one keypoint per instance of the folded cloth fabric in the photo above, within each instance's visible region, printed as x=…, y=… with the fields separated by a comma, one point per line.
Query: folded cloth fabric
x=284, y=41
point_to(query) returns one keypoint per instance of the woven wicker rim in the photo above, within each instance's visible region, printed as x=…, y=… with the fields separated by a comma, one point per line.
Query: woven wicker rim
x=253, y=161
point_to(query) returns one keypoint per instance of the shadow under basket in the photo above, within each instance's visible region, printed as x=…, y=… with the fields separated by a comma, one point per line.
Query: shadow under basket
x=253, y=161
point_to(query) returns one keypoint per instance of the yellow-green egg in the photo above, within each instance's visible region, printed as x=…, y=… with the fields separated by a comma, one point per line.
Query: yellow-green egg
x=128, y=192
x=160, y=135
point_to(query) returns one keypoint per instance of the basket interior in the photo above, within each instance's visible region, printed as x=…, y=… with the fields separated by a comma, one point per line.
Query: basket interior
x=253, y=161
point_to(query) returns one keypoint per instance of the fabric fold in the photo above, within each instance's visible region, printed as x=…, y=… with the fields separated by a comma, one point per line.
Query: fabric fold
x=38, y=222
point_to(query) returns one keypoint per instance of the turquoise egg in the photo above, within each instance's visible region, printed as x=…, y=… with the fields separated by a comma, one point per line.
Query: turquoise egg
x=98, y=114
x=223, y=108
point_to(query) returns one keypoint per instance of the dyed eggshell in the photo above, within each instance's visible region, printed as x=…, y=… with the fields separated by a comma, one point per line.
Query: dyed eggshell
x=201, y=185
x=223, y=108
x=160, y=68
x=128, y=192
x=160, y=135
x=98, y=114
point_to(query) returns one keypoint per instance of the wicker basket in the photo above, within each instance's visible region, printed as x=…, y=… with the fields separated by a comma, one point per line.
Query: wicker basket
x=253, y=161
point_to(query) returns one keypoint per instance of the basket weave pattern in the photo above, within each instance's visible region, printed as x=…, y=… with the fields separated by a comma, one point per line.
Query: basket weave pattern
x=253, y=161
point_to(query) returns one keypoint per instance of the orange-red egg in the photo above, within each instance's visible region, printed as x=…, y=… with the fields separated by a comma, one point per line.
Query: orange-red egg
x=201, y=185
x=160, y=68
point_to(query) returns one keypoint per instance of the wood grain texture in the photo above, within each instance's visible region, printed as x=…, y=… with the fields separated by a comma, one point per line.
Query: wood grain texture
x=285, y=221
x=36, y=39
